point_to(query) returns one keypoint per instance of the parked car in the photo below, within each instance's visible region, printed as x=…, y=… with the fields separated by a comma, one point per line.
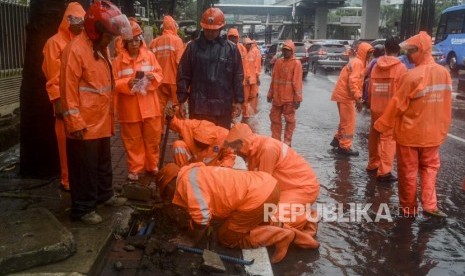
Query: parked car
x=327, y=55
x=274, y=52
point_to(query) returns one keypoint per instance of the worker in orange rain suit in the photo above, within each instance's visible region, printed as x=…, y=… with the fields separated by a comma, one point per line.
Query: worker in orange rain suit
x=420, y=114
x=138, y=108
x=237, y=196
x=233, y=36
x=297, y=181
x=347, y=93
x=285, y=92
x=86, y=83
x=253, y=97
x=252, y=80
x=168, y=49
x=201, y=141
x=70, y=26
x=382, y=86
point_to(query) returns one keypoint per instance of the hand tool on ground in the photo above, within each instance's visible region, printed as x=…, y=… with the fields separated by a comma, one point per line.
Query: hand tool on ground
x=222, y=257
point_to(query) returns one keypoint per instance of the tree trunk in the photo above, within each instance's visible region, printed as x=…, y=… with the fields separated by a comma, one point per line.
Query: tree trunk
x=38, y=148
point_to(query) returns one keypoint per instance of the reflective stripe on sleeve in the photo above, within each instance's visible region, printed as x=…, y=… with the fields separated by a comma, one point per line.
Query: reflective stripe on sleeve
x=94, y=90
x=125, y=72
x=147, y=68
x=182, y=151
x=285, y=149
x=198, y=195
x=72, y=111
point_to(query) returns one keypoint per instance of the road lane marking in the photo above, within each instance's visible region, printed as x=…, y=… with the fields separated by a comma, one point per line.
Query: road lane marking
x=456, y=137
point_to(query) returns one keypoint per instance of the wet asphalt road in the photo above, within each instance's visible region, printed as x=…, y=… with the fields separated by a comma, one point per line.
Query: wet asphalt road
x=398, y=247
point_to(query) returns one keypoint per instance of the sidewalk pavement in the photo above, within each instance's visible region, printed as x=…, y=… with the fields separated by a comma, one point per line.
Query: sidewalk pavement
x=29, y=245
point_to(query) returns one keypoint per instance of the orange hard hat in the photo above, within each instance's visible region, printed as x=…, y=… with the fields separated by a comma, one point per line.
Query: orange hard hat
x=212, y=19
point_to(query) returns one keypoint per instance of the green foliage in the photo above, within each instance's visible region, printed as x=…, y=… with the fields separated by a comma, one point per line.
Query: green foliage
x=181, y=34
x=155, y=30
x=186, y=10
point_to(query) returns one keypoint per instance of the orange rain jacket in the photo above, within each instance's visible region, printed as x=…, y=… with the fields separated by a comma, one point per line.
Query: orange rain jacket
x=245, y=65
x=383, y=82
x=420, y=111
x=250, y=63
x=168, y=49
x=258, y=58
x=349, y=86
x=208, y=192
x=207, y=133
x=286, y=81
x=243, y=52
x=125, y=68
x=282, y=162
x=86, y=85
x=53, y=50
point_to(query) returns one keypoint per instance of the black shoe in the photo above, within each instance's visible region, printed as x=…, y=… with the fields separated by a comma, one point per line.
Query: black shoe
x=334, y=143
x=348, y=152
x=386, y=178
x=438, y=213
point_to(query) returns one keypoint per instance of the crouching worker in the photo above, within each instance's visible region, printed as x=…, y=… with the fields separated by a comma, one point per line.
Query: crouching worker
x=238, y=197
x=297, y=181
x=201, y=141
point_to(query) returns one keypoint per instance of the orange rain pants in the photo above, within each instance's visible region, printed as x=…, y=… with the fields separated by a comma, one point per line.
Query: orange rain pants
x=409, y=161
x=61, y=142
x=250, y=104
x=346, y=129
x=253, y=99
x=246, y=220
x=288, y=111
x=381, y=149
x=142, y=140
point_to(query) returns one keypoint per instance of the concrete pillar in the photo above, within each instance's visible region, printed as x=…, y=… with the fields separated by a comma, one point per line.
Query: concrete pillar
x=370, y=19
x=321, y=22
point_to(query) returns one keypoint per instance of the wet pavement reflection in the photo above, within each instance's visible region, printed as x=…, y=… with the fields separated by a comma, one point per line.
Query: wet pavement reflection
x=401, y=246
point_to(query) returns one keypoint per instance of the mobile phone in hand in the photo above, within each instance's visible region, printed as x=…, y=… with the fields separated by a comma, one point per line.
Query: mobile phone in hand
x=139, y=75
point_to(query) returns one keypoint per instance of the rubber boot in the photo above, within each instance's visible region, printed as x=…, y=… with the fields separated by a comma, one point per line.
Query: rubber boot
x=272, y=235
x=303, y=239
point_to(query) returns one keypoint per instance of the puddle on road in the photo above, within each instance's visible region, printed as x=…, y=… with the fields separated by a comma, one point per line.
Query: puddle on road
x=401, y=247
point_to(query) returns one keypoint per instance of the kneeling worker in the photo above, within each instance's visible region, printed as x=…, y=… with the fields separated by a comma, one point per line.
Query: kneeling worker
x=239, y=197
x=201, y=141
x=297, y=181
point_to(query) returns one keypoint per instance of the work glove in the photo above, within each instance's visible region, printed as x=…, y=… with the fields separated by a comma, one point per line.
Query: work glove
x=181, y=110
x=132, y=82
x=170, y=111
x=296, y=105
x=359, y=105
x=78, y=134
